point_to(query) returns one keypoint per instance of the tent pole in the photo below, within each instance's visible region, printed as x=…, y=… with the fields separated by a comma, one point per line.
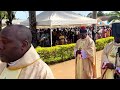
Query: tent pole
x=51, y=34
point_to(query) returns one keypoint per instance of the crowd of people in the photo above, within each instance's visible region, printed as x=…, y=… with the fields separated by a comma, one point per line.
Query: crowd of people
x=20, y=60
x=103, y=32
x=62, y=36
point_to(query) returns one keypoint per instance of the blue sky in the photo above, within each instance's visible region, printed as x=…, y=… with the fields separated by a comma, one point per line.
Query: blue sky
x=24, y=14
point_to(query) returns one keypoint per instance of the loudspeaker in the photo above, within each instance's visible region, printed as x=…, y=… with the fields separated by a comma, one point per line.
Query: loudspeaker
x=116, y=29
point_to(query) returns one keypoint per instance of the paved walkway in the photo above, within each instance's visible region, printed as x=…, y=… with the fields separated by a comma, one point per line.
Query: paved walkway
x=66, y=70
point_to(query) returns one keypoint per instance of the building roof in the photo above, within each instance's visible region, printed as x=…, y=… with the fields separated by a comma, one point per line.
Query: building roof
x=104, y=18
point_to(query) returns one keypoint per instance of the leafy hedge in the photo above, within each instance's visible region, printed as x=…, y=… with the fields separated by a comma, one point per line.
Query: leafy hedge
x=101, y=43
x=62, y=53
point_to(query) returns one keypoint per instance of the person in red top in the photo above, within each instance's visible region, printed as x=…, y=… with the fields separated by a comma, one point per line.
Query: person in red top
x=104, y=32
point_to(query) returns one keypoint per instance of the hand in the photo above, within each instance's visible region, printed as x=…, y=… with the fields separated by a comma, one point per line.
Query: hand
x=110, y=66
x=117, y=70
x=83, y=53
x=78, y=52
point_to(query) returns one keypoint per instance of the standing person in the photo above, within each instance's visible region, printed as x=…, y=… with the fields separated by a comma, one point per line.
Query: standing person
x=71, y=36
x=61, y=39
x=100, y=32
x=93, y=33
x=110, y=31
x=54, y=35
x=104, y=32
x=45, y=39
x=90, y=32
x=42, y=38
x=108, y=60
x=19, y=58
x=85, y=45
x=76, y=36
x=107, y=32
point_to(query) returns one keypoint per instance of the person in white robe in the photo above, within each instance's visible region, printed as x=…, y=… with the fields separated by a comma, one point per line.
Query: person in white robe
x=85, y=58
x=110, y=61
x=19, y=59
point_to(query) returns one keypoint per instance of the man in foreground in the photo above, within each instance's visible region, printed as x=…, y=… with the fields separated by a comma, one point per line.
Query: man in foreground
x=86, y=62
x=111, y=60
x=21, y=61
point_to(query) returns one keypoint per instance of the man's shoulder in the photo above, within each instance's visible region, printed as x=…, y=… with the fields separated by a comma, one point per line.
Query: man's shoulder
x=78, y=40
x=90, y=40
x=45, y=70
x=43, y=65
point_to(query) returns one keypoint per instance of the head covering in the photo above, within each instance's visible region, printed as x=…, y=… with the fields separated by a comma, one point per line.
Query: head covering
x=83, y=29
x=116, y=30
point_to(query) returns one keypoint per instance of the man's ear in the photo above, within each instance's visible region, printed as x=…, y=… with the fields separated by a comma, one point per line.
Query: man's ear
x=25, y=44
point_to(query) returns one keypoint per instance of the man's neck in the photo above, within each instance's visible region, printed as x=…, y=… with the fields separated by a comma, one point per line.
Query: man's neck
x=84, y=38
x=12, y=62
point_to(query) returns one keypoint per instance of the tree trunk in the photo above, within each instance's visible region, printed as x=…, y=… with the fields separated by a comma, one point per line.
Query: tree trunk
x=94, y=25
x=11, y=16
x=0, y=22
x=32, y=24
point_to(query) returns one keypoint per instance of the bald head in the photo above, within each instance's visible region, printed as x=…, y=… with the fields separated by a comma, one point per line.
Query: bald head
x=15, y=41
x=19, y=32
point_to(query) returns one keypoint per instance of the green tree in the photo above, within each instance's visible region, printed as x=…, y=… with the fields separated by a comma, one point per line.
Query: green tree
x=90, y=15
x=10, y=17
x=3, y=15
x=115, y=15
x=99, y=13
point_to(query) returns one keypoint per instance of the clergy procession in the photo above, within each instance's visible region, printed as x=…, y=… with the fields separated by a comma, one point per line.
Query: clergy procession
x=19, y=58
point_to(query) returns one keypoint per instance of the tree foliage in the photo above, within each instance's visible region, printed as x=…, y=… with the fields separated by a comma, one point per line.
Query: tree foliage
x=90, y=15
x=10, y=17
x=99, y=13
x=115, y=15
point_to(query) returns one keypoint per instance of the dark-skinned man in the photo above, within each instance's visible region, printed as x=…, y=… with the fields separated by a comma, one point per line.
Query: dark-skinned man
x=19, y=58
x=110, y=60
x=86, y=64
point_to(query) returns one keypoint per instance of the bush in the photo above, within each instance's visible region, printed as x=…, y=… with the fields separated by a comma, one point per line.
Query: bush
x=101, y=43
x=62, y=53
x=56, y=54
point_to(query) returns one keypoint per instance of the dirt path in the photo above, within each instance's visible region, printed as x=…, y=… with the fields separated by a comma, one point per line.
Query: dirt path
x=66, y=70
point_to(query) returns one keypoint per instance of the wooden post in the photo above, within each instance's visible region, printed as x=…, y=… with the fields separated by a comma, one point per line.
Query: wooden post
x=32, y=24
x=94, y=25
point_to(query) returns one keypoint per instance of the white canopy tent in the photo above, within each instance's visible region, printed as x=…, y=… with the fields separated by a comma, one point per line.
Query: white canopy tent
x=53, y=18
